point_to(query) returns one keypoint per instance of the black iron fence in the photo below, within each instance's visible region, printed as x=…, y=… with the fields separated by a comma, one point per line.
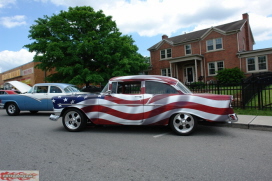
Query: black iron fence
x=254, y=92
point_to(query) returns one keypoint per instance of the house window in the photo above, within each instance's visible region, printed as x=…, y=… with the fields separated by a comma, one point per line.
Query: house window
x=215, y=66
x=166, y=72
x=188, y=50
x=214, y=44
x=167, y=53
x=258, y=63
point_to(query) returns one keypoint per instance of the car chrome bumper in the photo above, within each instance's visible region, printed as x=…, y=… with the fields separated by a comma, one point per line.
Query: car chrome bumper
x=2, y=106
x=233, y=118
x=54, y=117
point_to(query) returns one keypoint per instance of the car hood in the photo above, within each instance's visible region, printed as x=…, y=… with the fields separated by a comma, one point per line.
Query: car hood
x=22, y=87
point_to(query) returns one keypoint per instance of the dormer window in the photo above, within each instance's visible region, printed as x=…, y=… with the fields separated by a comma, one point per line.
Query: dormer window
x=188, y=50
x=167, y=53
x=214, y=44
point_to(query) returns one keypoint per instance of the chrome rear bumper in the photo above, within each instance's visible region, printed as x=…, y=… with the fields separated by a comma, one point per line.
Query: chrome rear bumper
x=233, y=118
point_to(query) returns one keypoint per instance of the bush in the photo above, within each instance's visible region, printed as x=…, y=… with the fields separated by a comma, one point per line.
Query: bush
x=230, y=76
x=197, y=85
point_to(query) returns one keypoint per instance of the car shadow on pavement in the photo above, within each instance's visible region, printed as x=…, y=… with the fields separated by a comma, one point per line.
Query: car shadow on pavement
x=128, y=129
x=148, y=130
x=40, y=113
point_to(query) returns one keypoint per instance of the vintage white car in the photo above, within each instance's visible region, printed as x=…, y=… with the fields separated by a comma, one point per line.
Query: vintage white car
x=143, y=100
x=34, y=99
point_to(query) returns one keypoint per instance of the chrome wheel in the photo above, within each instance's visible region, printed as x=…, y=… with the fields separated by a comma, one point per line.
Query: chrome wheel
x=183, y=123
x=74, y=120
x=12, y=109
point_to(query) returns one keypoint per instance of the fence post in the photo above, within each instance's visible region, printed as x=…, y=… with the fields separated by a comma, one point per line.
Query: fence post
x=243, y=95
x=218, y=90
x=259, y=92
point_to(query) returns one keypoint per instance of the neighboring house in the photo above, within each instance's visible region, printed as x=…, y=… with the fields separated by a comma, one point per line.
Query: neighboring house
x=197, y=56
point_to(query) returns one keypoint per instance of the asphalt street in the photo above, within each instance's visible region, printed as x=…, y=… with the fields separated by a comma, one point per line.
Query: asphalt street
x=33, y=142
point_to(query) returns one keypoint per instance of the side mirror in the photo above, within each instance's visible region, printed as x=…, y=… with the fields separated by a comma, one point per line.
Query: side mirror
x=108, y=92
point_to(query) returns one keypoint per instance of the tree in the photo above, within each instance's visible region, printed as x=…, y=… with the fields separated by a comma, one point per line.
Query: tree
x=230, y=76
x=83, y=46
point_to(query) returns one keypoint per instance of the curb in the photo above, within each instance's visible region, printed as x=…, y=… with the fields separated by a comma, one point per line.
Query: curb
x=263, y=123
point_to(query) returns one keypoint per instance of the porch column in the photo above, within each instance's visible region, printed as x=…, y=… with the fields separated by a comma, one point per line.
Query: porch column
x=177, y=76
x=196, y=70
x=171, y=70
x=201, y=68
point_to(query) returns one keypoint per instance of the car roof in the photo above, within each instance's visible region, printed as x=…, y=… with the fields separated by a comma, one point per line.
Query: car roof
x=157, y=78
x=61, y=85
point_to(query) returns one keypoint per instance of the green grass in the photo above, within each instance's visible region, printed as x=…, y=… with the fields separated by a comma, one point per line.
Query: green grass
x=228, y=90
x=266, y=97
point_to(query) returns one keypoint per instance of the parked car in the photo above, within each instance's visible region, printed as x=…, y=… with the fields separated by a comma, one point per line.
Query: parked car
x=3, y=92
x=38, y=97
x=143, y=100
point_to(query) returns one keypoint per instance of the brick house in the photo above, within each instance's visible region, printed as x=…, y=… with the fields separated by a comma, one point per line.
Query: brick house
x=197, y=56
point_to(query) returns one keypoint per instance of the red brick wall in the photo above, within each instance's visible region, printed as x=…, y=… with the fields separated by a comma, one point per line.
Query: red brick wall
x=157, y=63
x=228, y=53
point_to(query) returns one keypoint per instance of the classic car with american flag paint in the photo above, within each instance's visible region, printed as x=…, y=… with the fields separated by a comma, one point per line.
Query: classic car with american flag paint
x=143, y=100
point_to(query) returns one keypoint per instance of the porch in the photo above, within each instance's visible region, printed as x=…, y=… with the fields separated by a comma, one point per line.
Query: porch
x=188, y=69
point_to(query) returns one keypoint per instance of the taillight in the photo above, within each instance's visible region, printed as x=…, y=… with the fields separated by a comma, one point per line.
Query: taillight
x=231, y=100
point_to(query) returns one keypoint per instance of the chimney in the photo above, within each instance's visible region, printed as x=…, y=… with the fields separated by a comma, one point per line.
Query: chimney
x=164, y=36
x=248, y=42
x=245, y=16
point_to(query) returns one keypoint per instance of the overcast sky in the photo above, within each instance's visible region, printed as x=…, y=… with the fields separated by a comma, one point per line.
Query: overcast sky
x=145, y=20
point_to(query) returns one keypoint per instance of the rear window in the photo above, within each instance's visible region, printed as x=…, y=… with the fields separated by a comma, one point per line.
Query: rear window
x=159, y=88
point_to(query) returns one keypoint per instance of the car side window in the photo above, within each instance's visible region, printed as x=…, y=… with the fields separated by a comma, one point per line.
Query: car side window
x=126, y=87
x=159, y=88
x=55, y=89
x=40, y=89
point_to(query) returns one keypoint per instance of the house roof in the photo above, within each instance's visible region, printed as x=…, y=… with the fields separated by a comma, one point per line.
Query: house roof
x=197, y=35
x=264, y=51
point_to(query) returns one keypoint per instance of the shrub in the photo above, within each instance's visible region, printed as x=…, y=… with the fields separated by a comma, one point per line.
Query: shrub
x=230, y=76
x=197, y=85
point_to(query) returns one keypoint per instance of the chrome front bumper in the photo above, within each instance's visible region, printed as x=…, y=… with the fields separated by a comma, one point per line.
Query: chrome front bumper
x=2, y=106
x=54, y=117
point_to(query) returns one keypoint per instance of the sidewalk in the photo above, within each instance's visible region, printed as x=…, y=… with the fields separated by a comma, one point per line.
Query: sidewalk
x=253, y=122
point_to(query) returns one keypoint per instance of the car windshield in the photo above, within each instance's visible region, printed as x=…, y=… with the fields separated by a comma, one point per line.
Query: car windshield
x=105, y=89
x=183, y=88
x=30, y=90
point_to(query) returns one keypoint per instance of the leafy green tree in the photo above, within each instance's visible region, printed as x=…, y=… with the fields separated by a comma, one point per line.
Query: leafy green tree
x=83, y=46
x=230, y=76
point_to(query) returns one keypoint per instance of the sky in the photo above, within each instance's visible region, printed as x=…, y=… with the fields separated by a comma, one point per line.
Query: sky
x=145, y=20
